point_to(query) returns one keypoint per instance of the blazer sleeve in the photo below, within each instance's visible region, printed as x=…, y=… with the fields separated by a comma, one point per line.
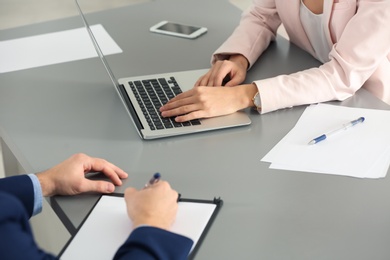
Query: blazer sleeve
x=154, y=243
x=257, y=28
x=16, y=238
x=358, y=56
x=22, y=188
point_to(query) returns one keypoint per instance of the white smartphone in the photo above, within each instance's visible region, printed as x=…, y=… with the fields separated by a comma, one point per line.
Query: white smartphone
x=179, y=30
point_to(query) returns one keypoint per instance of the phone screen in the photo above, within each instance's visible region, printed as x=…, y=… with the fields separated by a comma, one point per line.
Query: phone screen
x=178, y=28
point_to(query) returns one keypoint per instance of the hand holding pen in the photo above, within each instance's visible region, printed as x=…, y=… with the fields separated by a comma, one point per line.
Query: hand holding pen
x=344, y=127
x=154, y=205
x=155, y=178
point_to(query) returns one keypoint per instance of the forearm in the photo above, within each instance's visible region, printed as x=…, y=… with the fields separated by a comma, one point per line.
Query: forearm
x=245, y=94
x=301, y=88
x=46, y=184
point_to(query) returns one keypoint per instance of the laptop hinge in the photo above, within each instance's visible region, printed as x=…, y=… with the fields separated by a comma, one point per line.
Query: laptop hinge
x=130, y=107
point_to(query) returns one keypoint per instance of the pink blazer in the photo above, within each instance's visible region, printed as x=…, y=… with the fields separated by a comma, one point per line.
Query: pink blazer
x=358, y=32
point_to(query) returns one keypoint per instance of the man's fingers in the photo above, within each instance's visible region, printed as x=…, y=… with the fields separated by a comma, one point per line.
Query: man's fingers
x=114, y=173
x=95, y=186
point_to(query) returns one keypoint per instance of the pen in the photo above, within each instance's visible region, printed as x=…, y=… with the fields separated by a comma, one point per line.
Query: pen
x=344, y=127
x=155, y=178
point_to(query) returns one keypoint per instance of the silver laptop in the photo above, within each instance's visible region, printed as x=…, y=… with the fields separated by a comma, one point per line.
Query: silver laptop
x=143, y=96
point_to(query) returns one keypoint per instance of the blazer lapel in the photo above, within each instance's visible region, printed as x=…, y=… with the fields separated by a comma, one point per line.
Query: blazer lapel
x=292, y=21
x=328, y=5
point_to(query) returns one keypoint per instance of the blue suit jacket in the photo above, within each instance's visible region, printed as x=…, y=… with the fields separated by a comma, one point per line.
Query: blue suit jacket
x=17, y=242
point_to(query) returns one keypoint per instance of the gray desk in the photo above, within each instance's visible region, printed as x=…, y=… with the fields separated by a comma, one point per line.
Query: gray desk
x=49, y=113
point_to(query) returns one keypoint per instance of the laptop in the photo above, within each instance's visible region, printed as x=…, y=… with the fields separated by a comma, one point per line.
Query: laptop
x=143, y=96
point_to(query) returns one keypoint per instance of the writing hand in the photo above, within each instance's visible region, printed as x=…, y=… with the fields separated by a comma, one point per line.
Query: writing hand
x=155, y=205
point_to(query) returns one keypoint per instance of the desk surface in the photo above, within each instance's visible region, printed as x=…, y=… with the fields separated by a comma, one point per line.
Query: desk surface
x=49, y=113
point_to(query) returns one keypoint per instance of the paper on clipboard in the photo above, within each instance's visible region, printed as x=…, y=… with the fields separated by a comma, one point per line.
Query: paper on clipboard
x=107, y=227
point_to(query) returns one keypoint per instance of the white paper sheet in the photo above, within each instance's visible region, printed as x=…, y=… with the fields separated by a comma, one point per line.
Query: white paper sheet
x=108, y=226
x=361, y=151
x=54, y=48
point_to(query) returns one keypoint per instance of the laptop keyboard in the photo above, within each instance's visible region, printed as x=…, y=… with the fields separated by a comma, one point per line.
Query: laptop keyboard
x=152, y=94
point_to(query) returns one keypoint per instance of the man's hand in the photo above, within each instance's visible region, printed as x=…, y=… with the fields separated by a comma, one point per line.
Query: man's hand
x=68, y=177
x=155, y=205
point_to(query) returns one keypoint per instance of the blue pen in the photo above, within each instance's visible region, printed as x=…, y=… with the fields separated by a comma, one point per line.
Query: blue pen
x=155, y=178
x=344, y=127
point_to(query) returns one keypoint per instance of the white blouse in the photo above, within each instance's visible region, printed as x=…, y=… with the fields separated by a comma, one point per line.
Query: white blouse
x=313, y=25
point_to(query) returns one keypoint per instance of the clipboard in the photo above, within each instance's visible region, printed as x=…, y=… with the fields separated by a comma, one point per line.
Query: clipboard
x=107, y=226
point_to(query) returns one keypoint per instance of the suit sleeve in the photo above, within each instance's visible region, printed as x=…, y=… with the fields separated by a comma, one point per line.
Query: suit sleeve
x=16, y=238
x=154, y=243
x=22, y=188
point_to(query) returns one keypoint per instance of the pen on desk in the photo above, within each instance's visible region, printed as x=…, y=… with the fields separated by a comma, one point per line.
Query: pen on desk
x=344, y=127
x=155, y=178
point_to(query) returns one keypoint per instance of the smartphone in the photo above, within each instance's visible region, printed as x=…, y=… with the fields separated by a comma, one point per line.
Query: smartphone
x=179, y=30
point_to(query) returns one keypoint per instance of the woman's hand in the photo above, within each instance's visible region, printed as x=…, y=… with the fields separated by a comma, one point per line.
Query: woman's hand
x=205, y=102
x=226, y=73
